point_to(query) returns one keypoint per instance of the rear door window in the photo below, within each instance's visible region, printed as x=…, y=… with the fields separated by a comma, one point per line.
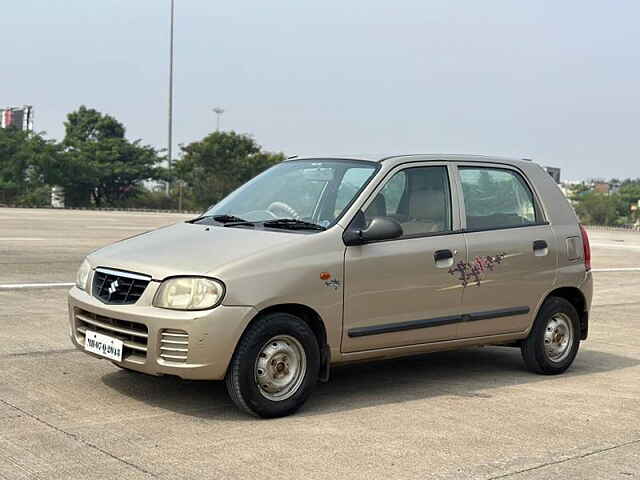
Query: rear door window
x=496, y=198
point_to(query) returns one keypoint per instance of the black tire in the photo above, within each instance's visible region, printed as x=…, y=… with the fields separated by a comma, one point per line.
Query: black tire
x=241, y=382
x=534, y=352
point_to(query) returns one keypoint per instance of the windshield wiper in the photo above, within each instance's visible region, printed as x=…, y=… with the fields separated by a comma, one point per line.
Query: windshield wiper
x=226, y=220
x=229, y=219
x=292, y=224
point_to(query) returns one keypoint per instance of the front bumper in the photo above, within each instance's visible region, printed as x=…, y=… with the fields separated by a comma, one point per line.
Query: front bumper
x=148, y=332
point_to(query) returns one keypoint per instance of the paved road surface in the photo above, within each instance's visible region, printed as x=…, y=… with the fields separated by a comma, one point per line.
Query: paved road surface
x=474, y=413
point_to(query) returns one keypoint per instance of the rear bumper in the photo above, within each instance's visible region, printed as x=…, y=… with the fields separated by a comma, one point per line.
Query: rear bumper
x=150, y=334
x=587, y=291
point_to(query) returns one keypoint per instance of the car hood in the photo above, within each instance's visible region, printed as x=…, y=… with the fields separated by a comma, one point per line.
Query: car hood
x=188, y=249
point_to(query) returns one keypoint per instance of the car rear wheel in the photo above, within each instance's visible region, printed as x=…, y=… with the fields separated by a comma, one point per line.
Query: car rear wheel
x=553, y=342
x=275, y=366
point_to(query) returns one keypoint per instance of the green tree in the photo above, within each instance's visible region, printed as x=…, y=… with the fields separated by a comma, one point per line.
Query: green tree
x=13, y=164
x=579, y=189
x=598, y=209
x=219, y=163
x=99, y=165
x=630, y=193
x=24, y=158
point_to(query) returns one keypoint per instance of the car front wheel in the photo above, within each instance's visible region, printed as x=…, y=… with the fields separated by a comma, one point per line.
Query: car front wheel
x=275, y=366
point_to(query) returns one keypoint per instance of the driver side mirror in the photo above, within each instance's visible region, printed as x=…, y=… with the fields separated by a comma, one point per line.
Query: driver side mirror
x=380, y=228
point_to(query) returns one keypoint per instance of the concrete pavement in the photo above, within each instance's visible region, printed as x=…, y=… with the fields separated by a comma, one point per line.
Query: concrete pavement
x=474, y=413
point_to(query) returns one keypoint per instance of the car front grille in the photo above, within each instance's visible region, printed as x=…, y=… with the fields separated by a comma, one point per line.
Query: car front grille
x=174, y=345
x=134, y=335
x=118, y=288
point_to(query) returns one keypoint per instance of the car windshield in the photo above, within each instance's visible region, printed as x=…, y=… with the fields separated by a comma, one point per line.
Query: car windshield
x=313, y=191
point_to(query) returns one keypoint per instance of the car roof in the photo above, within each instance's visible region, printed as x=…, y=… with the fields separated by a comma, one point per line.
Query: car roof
x=425, y=157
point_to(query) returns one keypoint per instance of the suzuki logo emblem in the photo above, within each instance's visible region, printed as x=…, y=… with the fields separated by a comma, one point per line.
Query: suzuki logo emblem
x=113, y=287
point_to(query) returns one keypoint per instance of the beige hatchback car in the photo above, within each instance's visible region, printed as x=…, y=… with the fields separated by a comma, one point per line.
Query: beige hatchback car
x=321, y=261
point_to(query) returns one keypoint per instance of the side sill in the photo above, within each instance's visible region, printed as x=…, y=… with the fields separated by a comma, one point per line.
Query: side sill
x=436, y=322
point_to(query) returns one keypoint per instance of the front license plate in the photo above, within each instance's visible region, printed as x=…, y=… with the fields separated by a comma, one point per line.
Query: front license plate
x=103, y=345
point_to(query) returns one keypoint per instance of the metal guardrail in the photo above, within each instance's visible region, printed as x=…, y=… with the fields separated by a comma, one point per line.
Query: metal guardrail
x=608, y=228
x=602, y=228
x=93, y=209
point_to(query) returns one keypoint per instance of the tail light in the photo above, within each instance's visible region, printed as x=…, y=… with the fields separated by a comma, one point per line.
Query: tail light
x=586, y=248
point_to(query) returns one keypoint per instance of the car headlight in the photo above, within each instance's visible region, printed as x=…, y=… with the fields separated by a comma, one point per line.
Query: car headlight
x=189, y=293
x=83, y=275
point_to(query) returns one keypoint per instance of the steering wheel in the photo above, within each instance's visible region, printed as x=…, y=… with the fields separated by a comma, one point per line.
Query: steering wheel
x=259, y=215
x=289, y=211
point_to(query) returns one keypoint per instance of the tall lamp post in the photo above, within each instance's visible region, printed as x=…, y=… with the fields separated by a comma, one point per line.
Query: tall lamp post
x=218, y=111
x=170, y=129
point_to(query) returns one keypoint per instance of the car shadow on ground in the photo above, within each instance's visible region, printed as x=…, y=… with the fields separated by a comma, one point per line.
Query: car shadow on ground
x=472, y=372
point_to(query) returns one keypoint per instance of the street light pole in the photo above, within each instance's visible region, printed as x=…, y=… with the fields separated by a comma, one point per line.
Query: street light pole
x=218, y=111
x=170, y=132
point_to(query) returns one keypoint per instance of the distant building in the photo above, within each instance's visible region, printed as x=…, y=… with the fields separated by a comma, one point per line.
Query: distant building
x=19, y=117
x=57, y=197
x=565, y=189
x=568, y=186
x=601, y=187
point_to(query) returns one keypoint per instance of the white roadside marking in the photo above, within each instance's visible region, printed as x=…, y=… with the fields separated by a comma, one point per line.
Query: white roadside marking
x=34, y=286
x=22, y=239
x=616, y=245
x=621, y=269
x=120, y=227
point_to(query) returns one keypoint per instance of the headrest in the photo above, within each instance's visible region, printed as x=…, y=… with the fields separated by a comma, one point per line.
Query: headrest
x=427, y=205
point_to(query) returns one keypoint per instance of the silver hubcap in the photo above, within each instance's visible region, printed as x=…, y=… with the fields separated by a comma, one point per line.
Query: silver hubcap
x=280, y=367
x=558, y=337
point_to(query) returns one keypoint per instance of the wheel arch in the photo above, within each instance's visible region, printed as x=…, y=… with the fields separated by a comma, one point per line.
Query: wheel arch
x=576, y=298
x=312, y=319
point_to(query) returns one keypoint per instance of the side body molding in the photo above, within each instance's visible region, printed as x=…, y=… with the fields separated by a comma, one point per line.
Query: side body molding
x=437, y=322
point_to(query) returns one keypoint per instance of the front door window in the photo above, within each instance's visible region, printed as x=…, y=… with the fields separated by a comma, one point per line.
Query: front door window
x=418, y=198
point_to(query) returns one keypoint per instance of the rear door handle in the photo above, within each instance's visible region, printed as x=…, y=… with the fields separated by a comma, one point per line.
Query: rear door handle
x=540, y=245
x=441, y=255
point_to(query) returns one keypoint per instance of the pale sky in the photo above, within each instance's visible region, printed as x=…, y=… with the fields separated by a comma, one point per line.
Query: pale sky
x=556, y=81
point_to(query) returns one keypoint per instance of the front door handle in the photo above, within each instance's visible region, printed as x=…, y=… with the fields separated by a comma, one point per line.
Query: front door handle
x=540, y=245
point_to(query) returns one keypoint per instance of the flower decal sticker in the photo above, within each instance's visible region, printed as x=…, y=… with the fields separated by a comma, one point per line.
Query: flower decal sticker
x=475, y=271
